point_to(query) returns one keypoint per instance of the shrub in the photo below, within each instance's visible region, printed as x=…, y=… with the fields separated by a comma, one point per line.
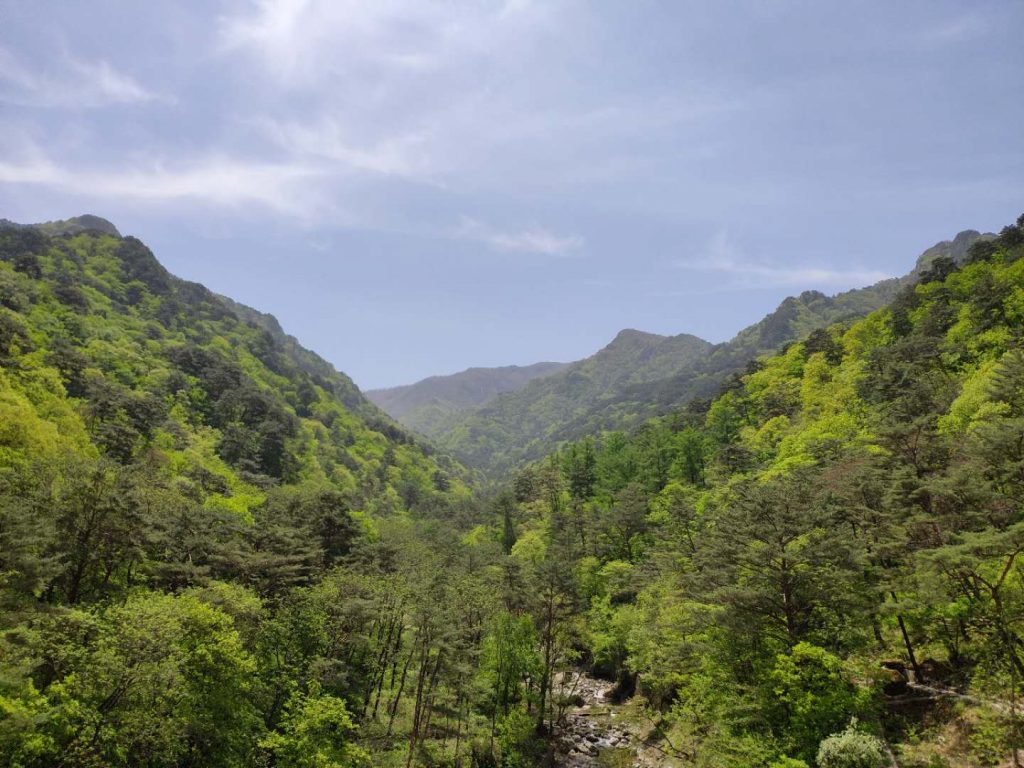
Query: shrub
x=852, y=748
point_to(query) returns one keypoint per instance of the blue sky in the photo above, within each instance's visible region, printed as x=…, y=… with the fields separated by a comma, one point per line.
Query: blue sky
x=415, y=187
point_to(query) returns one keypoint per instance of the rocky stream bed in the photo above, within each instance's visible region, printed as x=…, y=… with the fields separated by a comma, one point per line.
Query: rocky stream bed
x=592, y=733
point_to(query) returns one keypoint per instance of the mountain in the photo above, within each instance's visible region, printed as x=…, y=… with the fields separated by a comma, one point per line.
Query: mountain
x=73, y=226
x=311, y=363
x=956, y=249
x=143, y=363
x=206, y=527
x=423, y=405
x=526, y=423
x=806, y=535
x=640, y=375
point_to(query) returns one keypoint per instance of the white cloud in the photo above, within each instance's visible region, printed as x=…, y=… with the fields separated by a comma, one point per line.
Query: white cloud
x=326, y=139
x=217, y=180
x=304, y=42
x=955, y=30
x=532, y=240
x=108, y=84
x=79, y=84
x=462, y=95
x=723, y=257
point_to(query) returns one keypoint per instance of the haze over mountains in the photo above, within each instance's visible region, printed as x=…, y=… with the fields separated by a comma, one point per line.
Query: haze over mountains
x=494, y=418
x=425, y=404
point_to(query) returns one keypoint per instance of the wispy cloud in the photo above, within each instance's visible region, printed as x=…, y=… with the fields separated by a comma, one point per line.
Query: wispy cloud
x=303, y=41
x=961, y=28
x=77, y=84
x=327, y=139
x=456, y=94
x=216, y=180
x=722, y=256
x=533, y=240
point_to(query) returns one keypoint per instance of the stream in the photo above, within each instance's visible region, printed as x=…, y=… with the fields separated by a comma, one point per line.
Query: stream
x=588, y=734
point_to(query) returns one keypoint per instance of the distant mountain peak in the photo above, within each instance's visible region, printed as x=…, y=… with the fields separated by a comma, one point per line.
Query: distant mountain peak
x=424, y=405
x=91, y=221
x=633, y=333
x=629, y=340
x=812, y=295
x=955, y=249
x=87, y=222
x=77, y=224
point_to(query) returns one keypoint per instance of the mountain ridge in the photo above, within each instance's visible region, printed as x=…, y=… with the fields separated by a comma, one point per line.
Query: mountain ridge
x=245, y=366
x=421, y=405
x=525, y=424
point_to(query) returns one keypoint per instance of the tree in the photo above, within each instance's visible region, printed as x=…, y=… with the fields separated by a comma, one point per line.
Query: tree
x=315, y=732
x=809, y=697
x=780, y=562
x=724, y=420
x=99, y=531
x=505, y=508
x=693, y=452
x=556, y=591
x=509, y=659
x=625, y=523
x=580, y=467
x=160, y=680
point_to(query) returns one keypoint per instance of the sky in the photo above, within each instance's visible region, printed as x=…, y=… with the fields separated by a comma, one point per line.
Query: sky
x=417, y=187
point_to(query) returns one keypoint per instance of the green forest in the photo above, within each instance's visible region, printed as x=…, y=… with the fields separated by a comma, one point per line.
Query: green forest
x=636, y=377
x=214, y=551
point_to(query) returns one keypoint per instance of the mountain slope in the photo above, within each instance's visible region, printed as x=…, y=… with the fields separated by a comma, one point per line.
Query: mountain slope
x=842, y=526
x=423, y=405
x=205, y=529
x=619, y=390
x=524, y=423
x=149, y=367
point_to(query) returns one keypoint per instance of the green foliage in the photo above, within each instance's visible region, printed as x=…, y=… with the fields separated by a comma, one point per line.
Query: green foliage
x=788, y=762
x=856, y=497
x=159, y=680
x=508, y=658
x=214, y=551
x=853, y=748
x=810, y=696
x=168, y=459
x=316, y=731
x=516, y=739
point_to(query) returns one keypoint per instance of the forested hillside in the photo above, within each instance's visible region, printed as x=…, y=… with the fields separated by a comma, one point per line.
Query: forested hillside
x=821, y=566
x=214, y=551
x=212, y=547
x=423, y=406
x=642, y=375
x=523, y=424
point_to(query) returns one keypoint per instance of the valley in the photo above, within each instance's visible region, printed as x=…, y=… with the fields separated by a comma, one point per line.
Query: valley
x=215, y=550
x=637, y=376
x=511, y=384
